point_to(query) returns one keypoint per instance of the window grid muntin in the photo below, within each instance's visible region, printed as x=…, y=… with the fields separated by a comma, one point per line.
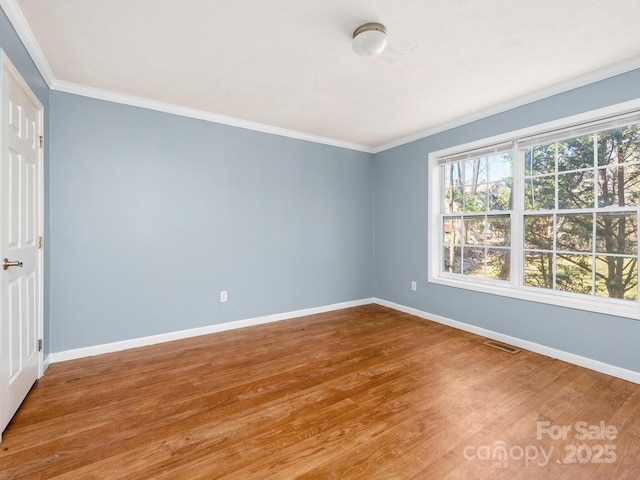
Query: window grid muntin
x=595, y=188
x=469, y=179
x=562, y=256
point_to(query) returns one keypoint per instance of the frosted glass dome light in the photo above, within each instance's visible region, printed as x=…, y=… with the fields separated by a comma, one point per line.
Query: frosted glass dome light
x=369, y=39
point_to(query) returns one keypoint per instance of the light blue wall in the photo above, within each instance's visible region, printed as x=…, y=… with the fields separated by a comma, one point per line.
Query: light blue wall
x=14, y=49
x=148, y=216
x=152, y=215
x=401, y=200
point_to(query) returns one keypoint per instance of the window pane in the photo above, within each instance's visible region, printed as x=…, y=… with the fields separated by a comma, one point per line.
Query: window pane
x=540, y=193
x=452, y=229
x=475, y=171
x=617, y=233
x=500, y=167
x=574, y=273
x=499, y=263
x=538, y=232
x=576, y=153
x=474, y=230
x=452, y=187
x=620, y=145
x=617, y=277
x=609, y=183
x=475, y=186
x=466, y=189
x=538, y=269
x=574, y=233
x=576, y=190
x=542, y=159
x=447, y=175
x=500, y=196
x=475, y=198
x=474, y=261
x=528, y=155
x=619, y=186
x=452, y=259
x=498, y=232
x=447, y=206
x=454, y=200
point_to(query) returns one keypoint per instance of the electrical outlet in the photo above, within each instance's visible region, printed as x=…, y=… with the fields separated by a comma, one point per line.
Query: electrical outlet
x=414, y=286
x=223, y=296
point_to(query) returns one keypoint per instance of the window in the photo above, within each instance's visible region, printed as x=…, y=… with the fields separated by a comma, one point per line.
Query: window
x=476, y=221
x=542, y=214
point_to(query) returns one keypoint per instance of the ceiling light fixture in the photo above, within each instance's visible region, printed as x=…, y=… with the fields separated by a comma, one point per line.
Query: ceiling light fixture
x=369, y=39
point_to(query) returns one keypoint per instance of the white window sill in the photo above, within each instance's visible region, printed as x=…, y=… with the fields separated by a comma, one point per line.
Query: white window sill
x=608, y=306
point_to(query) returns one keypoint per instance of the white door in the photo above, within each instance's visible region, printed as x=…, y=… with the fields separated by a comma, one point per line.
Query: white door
x=20, y=254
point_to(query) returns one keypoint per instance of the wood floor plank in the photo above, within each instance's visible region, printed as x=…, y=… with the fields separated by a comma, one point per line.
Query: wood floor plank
x=360, y=393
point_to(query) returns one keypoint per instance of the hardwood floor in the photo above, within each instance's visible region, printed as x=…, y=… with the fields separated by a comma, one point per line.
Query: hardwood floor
x=361, y=393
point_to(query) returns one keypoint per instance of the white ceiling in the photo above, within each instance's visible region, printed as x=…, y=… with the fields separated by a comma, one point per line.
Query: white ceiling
x=288, y=64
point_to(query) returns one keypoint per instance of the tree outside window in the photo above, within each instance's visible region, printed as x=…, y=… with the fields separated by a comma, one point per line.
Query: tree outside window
x=570, y=206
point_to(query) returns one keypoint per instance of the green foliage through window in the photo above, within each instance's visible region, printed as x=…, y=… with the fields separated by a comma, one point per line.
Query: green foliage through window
x=478, y=192
x=577, y=209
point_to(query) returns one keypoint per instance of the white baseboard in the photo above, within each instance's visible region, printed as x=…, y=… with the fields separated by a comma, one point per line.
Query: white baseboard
x=195, y=332
x=596, y=365
x=591, y=364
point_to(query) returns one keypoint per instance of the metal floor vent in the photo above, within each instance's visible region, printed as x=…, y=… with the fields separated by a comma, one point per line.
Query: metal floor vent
x=502, y=346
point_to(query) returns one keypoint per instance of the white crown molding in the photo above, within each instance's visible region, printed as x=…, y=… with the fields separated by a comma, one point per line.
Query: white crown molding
x=19, y=22
x=141, y=102
x=590, y=363
x=583, y=80
x=23, y=30
x=195, y=332
x=17, y=19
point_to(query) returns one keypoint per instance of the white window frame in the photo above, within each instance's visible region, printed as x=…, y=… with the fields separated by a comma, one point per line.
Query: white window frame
x=515, y=287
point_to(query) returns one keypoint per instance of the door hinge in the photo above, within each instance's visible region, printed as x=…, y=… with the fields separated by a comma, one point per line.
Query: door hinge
x=40, y=345
x=40, y=242
x=41, y=141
